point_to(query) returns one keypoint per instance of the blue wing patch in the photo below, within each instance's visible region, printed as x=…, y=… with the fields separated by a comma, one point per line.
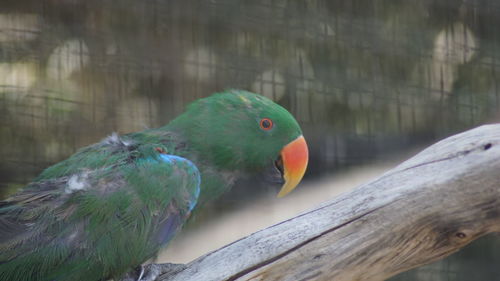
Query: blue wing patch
x=174, y=159
x=169, y=227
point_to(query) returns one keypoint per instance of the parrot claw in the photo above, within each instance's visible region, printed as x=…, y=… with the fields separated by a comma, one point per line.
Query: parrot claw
x=141, y=273
x=150, y=272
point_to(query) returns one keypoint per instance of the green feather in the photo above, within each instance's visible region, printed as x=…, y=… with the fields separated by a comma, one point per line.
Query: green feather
x=224, y=131
x=112, y=205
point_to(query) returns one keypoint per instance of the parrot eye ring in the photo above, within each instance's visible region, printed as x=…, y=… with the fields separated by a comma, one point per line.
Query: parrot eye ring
x=266, y=124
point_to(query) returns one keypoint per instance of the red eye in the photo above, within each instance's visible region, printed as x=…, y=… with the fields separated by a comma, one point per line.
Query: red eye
x=266, y=124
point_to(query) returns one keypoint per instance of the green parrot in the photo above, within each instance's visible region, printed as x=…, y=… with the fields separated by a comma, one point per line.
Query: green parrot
x=111, y=206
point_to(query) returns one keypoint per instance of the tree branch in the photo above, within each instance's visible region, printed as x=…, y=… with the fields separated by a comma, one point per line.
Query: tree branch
x=423, y=210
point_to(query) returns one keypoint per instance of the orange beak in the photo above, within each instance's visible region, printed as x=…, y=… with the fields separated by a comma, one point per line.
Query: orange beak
x=294, y=156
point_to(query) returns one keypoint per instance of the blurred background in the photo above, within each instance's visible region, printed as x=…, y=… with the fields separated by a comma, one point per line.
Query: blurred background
x=371, y=82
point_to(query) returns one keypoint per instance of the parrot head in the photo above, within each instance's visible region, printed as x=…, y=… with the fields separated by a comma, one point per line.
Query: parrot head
x=239, y=130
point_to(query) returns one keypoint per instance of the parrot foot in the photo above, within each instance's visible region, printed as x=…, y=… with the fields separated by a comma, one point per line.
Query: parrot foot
x=150, y=272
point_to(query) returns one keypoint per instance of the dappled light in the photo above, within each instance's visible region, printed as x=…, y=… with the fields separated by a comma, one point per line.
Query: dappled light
x=369, y=82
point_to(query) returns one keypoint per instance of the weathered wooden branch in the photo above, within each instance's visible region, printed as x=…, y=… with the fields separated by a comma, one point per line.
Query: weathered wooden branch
x=423, y=210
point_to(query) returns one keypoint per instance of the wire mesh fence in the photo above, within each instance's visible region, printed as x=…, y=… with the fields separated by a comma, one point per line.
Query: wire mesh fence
x=364, y=78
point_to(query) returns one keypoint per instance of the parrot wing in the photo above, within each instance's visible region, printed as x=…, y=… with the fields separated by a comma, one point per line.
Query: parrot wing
x=108, y=219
